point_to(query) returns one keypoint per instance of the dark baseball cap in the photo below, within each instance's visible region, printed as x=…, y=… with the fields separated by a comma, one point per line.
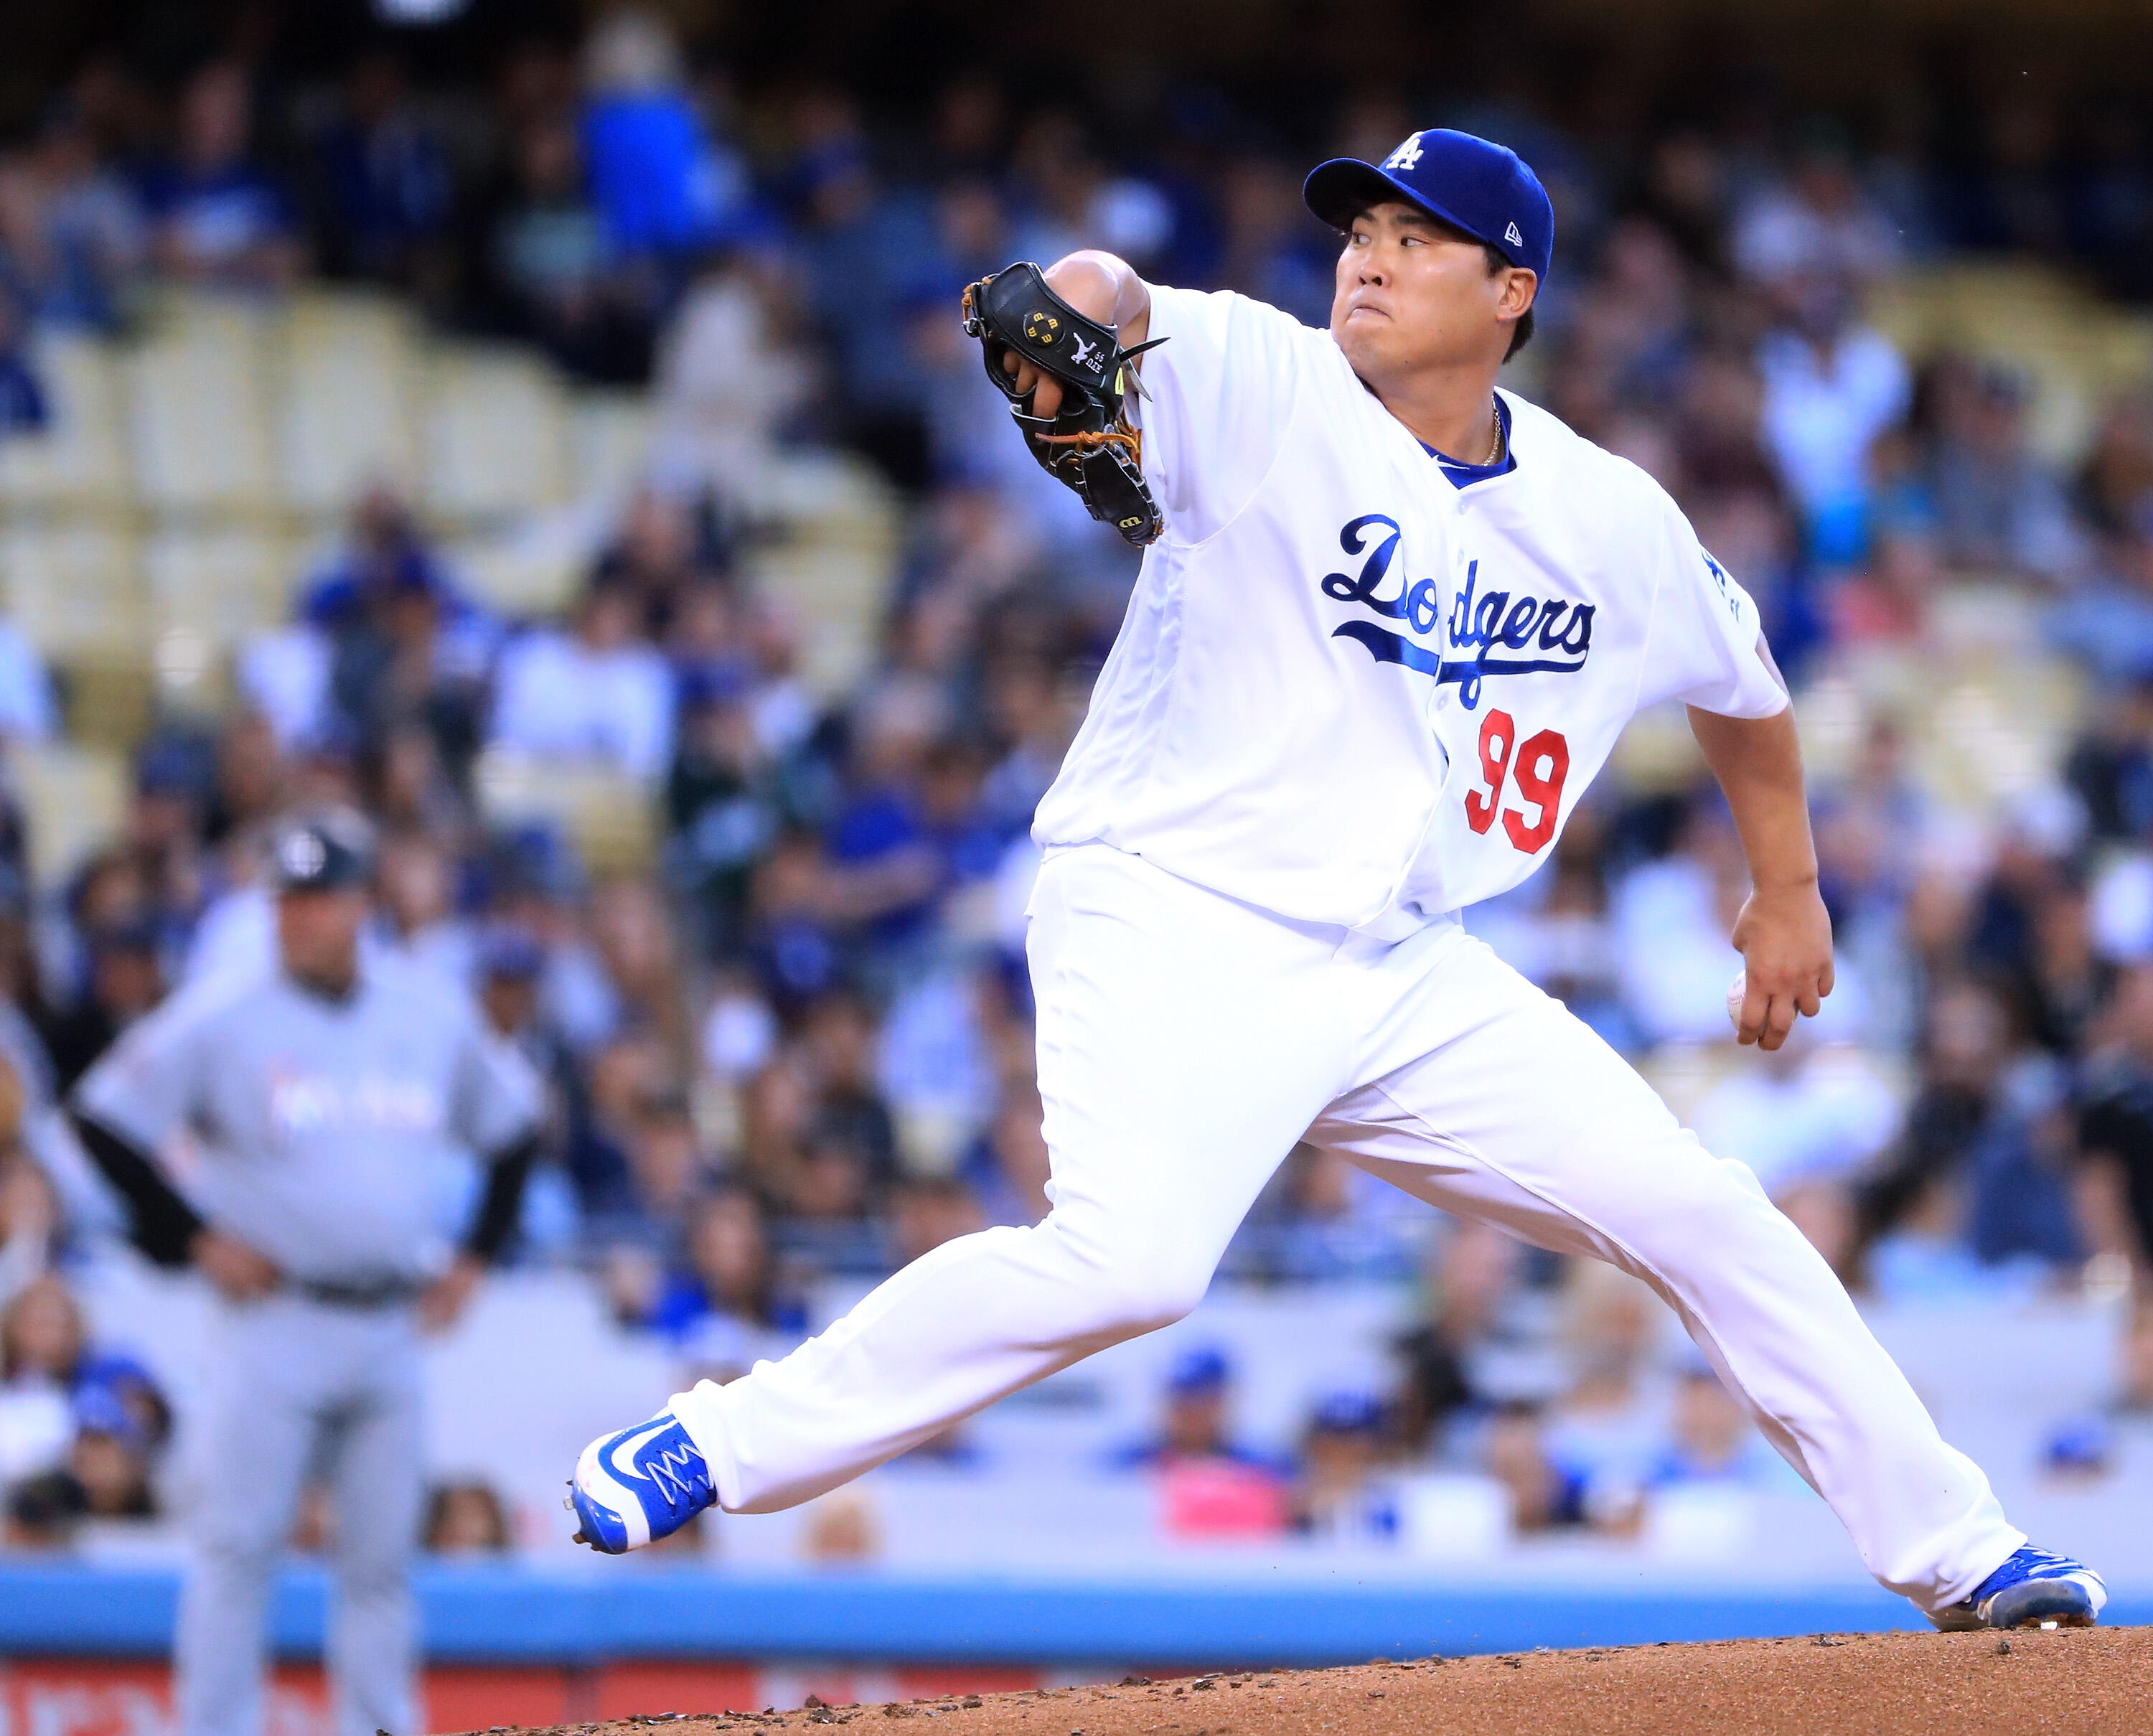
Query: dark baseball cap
x=330, y=852
x=1485, y=189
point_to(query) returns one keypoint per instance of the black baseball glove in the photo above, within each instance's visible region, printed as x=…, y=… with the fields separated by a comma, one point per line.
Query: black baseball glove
x=1088, y=443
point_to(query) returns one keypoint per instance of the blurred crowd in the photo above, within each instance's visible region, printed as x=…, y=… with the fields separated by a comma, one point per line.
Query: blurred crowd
x=797, y=1048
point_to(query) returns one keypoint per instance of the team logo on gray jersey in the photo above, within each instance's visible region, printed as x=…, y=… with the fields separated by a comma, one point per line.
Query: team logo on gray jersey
x=302, y=1102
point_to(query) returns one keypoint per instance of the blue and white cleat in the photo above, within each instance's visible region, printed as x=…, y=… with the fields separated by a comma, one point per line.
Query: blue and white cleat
x=637, y=1486
x=2034, y=1589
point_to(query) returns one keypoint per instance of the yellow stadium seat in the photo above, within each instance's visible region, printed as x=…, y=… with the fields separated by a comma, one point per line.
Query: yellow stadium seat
x=222, y=582
x=74, y=799
x=496, y=441
x=528, y=573
x=609, y=443
x=613, y=817
x=1656, y=752
x=348, y=409
x=838, y=588
x=2076, y=350
x=111, y=694
x=199, y=412
x=81, y=459
x=75, y=583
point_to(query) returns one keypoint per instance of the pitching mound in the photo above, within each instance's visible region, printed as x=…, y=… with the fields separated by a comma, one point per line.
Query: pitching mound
x=1894, y=1684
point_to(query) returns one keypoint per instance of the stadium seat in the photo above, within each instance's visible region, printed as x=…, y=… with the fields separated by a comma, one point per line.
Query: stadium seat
x=223, y=581
x=833, y=566
x=496, y=439
x=839, y=588
x=2074, y=350
x=612, y=817
x=1658, y=752
x=74, y=587
x=109, y=694
x=74, y=798
x=349, y=415
x=199, y=410
x=529, y=570
x=609, y=443
x=81, y=459
x=74, y=583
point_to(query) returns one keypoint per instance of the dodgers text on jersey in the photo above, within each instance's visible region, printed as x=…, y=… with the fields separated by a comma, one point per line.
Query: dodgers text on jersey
x=1482, y=624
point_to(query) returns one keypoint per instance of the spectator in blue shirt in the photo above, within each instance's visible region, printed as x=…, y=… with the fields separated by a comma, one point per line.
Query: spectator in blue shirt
x=71, y=229
x=216, y=217
x=385, y=180
x=729, y=1273
x=662, y=185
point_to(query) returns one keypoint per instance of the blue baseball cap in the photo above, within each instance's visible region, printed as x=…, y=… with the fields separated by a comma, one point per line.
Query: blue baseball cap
x=100, y=1410
x=1348, y=1411
x=1202, y=1369
x=1485, y=189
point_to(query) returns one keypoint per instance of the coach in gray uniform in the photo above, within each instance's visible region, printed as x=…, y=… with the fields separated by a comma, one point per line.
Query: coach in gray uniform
x=325, y=1105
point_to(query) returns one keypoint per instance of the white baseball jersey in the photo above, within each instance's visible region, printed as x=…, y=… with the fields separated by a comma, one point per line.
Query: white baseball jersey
x=1348, y=690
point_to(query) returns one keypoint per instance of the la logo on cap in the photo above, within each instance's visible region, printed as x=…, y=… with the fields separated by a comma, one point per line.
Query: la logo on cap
x=1405, y=155
x=1513, y=237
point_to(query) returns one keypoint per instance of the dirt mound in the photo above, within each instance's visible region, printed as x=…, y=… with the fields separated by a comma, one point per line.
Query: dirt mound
x=1878, y=1684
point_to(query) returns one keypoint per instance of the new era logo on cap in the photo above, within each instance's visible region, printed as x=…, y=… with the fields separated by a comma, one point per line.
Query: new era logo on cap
x=1511, y=236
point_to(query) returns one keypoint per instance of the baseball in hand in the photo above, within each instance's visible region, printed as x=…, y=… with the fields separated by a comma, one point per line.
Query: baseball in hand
x=1736, y=992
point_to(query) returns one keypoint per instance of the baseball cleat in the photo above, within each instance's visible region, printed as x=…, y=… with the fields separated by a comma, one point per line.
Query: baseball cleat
x=2034, y=1589
x=638, y=1486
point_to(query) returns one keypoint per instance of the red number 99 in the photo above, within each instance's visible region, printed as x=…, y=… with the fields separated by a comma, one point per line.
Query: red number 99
x=1539, y=769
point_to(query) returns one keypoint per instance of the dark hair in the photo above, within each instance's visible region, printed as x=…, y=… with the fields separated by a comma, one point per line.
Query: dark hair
x=442, y=1500
x=1521, y=334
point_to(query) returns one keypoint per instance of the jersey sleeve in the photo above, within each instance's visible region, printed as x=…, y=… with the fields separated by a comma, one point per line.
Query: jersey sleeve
x=1217, y=397
x=1705, y=644
x=496, y=1098
x=150, y=1083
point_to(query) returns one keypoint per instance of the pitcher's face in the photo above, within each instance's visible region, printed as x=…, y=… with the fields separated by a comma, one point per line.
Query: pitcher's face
x=1413, y=294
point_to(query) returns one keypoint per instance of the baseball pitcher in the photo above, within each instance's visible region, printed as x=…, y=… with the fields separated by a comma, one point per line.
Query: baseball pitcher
x=1389, y=623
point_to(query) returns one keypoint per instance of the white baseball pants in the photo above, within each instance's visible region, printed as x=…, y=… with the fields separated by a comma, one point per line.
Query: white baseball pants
x=1186, y=1042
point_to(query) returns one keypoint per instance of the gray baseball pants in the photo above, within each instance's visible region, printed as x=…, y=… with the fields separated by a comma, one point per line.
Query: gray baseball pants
x=296, y=1387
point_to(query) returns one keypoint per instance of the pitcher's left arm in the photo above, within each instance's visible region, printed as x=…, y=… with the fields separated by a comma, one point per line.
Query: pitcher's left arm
x=1783, y=932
